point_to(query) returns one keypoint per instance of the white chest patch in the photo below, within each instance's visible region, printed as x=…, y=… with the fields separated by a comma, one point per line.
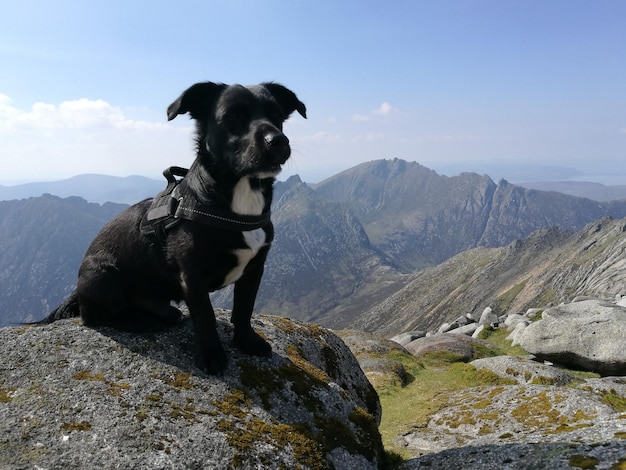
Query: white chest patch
x=247, y=201
x=255, y=239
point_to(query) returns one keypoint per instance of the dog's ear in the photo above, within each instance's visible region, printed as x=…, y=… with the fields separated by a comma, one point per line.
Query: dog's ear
x=195, y=100
x=286, y=98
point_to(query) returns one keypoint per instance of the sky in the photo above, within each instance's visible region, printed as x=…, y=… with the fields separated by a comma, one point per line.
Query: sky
x=525, y=90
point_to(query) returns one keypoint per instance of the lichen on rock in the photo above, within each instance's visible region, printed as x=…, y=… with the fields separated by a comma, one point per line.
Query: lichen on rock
x=75, y=396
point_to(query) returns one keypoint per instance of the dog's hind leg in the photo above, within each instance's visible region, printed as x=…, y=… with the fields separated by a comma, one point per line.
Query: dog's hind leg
x=246, y=288
x=109, y=297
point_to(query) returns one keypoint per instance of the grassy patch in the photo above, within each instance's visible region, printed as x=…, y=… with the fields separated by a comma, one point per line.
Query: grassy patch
x=503, y=346
x=409, y=406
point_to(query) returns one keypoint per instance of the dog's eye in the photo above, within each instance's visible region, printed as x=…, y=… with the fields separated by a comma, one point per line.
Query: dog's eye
x=235, y=119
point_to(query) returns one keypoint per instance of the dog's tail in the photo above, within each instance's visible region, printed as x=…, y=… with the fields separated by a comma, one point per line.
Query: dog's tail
x=69, y=308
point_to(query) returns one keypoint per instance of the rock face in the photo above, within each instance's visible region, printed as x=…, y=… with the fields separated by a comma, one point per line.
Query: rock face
x=588, y=334
x=75, y=397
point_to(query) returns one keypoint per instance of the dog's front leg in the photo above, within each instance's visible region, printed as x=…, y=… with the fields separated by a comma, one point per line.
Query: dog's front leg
x=209, y=355
x=246, y=288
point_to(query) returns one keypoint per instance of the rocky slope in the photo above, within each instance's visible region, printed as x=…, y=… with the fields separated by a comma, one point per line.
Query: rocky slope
x=42, y=241
x=75, y=397
x=548, y=267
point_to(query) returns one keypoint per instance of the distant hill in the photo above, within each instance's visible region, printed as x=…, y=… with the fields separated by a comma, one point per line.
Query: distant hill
x=42, y=241
x=595, y=191
x=548, y=267
x=93, y=188
x=341, y=247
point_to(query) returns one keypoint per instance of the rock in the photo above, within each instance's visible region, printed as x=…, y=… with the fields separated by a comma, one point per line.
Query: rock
x=473, y=317
x=524, y=371
x=478, y=330
x=501, y=415
x=621, y=302
x=583, y=298
x=76, y=397
x=517, y=332
x=588, y=334
x=514, y=319
x=405, y=338
x=465, y=330
x=488, y=317
x=533, y=312
x=369, y=351
x=606, y=385
x=464, y=346
x=553, y=456
x=445, y=327
x=386, y=369
x=462, y=320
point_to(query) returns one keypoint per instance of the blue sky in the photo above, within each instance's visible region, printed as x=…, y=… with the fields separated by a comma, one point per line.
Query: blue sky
x=497, y=87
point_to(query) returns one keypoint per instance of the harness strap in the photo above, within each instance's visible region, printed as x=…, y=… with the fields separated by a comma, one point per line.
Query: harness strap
x=169, y=208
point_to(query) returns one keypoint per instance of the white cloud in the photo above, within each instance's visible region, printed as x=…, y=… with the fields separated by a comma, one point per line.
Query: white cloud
x=321, y=137
x=385, y=109
x=360, y=118
x=86, y=136
x=369, y=137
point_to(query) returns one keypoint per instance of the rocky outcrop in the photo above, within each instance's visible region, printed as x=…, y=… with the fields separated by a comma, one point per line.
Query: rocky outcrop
x=496, y=415
x=75, y=397
x=461, y=345
x=588, y=335
x=526, y=413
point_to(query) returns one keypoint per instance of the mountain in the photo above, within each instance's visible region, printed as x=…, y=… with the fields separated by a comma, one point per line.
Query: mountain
x=419, y=218
x=341, y=247
x=321, y=263
x=548, y=267
x=595, y=191
x=94, y=188
x=42, y=241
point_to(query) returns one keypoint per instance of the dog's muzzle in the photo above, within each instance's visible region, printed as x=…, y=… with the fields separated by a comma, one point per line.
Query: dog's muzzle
x=277, y=146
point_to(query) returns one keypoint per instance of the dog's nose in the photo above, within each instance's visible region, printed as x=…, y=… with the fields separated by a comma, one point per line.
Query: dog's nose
x=276, y=140
x=278, y=146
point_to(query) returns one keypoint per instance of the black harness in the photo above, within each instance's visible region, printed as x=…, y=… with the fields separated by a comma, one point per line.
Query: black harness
x=171, y=206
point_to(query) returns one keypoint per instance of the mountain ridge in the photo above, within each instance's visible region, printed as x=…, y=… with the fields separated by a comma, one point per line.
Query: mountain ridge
x=420, y=218
x=341, y=246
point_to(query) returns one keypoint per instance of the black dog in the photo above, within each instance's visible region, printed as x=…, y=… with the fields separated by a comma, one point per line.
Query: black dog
x=213, y=229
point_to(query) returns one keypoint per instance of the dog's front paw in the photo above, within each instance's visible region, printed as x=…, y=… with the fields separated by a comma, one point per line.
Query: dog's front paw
x=251, y=343
x=211, y=358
